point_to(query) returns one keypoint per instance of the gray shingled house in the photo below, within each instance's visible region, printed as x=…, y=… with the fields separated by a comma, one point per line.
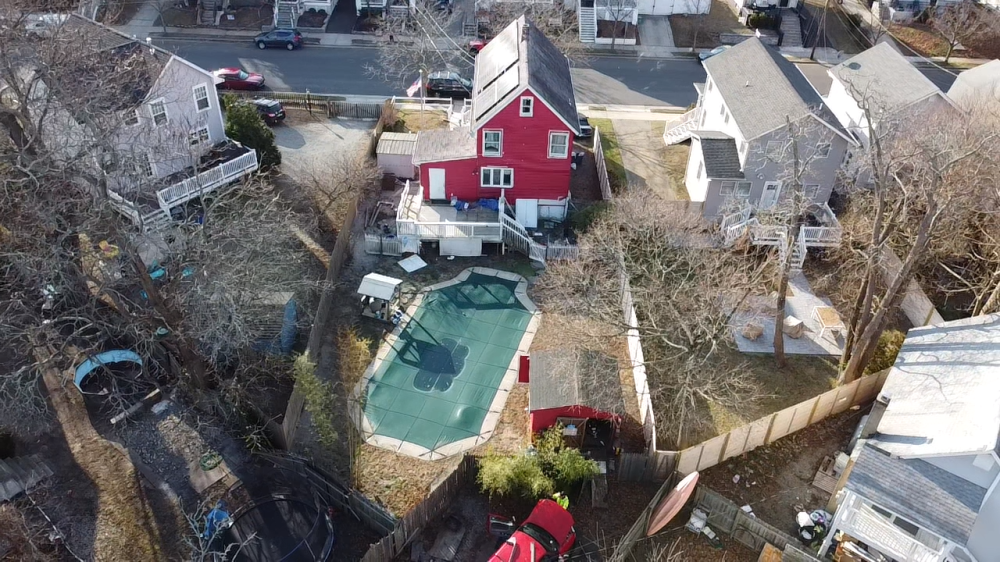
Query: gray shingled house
x=923, y=485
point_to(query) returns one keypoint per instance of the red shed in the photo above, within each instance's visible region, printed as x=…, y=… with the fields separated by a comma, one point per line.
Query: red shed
x=573, y=384
x=518, y=134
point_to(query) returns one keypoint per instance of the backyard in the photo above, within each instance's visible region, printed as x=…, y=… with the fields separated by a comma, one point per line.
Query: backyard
x=720, y=19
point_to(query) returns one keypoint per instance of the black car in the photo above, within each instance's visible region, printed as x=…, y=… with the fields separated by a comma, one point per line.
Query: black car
x=290, y=39
x=270, y=111
x=448, y=85
x=586, y=131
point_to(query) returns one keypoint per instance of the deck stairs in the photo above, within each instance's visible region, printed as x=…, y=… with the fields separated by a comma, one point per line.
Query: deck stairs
x=20, y=474
x=682, y=130
x=588, y=25
x=285, y=16
x=156, y=220
x=791, y=29
x=742, y=224
x=206, y=15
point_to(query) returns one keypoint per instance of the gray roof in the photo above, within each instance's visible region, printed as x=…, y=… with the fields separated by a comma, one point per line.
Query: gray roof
x=944, y=391
x=931, y=497
x=575, y=378
x=519, y=57
x=722, y=160
x=438, y=145
x=762, y=88
x=981, y=80
x=882, y=74
x=401, y=144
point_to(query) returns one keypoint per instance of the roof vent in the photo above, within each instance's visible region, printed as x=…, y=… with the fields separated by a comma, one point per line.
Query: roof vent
x=853, y=66
x=747, y=85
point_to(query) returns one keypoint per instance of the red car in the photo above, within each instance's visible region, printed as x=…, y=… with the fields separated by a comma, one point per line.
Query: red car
x=237, y=79
x=544, y=536
x=477, y=45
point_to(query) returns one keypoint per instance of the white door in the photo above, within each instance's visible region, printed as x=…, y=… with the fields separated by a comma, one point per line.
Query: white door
x=770, y=195
x=526, y=211
x=436, y=178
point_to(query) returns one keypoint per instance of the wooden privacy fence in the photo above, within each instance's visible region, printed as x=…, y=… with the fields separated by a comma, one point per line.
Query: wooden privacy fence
x=769, y=429
x=640, y=467
x=433, y=507
x=602, y=167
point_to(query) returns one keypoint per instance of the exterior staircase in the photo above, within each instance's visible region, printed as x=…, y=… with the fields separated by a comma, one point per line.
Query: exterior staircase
x=736, y=225
x=156, y=220
x=20, y=474
x=286, y=15
x=588, y=24
x=206, y=16
x=681, y=130
x=791, y=29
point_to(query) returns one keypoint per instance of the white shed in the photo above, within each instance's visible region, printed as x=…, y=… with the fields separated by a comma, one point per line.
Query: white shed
x=395, y=154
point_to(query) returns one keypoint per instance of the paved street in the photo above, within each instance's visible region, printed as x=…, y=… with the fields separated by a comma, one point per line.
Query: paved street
x=608, y=80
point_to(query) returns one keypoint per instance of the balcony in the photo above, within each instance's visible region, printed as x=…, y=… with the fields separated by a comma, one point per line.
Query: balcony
x=434, y=222
x=864, y=523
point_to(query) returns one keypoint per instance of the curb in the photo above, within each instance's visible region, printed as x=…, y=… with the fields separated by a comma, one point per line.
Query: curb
x=221, y=38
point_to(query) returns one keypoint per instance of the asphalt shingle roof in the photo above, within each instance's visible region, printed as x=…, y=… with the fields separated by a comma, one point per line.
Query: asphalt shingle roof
x=437, y=145
x=762, y=88
x=931, y=497
x=882, y=74
x=944, y=391
x=722, y=160
x=575, y=378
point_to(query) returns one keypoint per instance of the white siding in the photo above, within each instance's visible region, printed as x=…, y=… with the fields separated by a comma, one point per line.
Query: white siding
x=715, y=111
x=697, y=187
x=984, y=542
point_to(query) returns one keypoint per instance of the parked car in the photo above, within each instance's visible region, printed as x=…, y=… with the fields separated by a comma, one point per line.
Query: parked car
x=448, y=85
x=544, y=536
x=237, y=79
x=477, y=45
x=586, y=131
x=290, y=39
x=705, y=55
x=270, y=110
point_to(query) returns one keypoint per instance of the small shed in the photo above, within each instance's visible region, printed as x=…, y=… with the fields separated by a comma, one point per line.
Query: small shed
x=581, y=384
x=379, y=296
x=395, y=154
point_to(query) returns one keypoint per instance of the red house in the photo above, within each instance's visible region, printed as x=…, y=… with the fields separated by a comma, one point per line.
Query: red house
x=518, y=138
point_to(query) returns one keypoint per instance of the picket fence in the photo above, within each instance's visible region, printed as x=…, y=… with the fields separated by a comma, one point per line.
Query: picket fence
x=602, y=167
x=381, y=244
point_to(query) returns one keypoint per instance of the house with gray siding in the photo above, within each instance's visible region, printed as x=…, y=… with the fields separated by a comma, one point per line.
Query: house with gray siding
x=167, y=143
x=753, y=110
x=922, y=485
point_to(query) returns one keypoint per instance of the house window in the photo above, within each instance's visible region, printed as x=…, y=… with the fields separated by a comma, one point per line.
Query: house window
x=701, y=168
x=743, y=188
x=199, y=136
x=708, y=86
x=728, y=187
x=823, y=150
x=141, y=166
x=811, y=190
x=527, y=106
x=722, y=110
x=497, y=177
x=158, y=111
x=774, y=150
x=201, y=101
x=727, y=118
x=132, y=118
x=743, y=147
x=558, y=145
x=492, y=143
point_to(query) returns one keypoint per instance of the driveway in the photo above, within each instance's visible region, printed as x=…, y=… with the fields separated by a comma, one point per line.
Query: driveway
x=648, y=161
x=655, y=31
x=311, y=144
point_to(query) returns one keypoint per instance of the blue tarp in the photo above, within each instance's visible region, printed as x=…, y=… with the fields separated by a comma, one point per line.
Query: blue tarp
x=114, y=356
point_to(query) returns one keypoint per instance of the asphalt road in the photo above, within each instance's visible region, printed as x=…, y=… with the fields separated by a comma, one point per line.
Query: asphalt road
x=323, y=70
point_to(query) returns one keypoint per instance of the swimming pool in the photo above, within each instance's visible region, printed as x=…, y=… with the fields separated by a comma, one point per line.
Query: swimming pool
x=440, y=380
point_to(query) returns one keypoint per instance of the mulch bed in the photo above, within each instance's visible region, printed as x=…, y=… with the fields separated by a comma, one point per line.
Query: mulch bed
x=178, y=17
x=248, y=18
x=312, y=19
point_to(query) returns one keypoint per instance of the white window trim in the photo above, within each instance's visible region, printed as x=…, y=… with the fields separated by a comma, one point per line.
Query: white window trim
x=701, y=168
x=747, y=184
x=195, y=137
x=208, y=98
x=499, y=143
x=139, y=171
x=166, y=116
x=531, y=106
x=806, y=187
x=565, y=152
x=500, y=185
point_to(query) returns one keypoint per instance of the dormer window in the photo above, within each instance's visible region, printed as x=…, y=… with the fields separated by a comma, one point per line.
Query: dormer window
x=527, y=106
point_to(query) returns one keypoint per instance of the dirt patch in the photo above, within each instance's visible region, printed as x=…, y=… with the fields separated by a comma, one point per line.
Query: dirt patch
x=313, y=19
x=413, y=121
x=584, y=185
x=720, y=19
x=178, y=17
x=619, y=30
x=921, y=38
x=838, y=30
x=398, y=482
x=675, y=160
x=251, y=17
x=121, y=12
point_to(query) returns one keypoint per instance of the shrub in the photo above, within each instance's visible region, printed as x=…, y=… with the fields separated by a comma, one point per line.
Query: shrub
x=535, y=474
x=581, y=220
x=244, y=125
x=885, y=351
x=318, y=400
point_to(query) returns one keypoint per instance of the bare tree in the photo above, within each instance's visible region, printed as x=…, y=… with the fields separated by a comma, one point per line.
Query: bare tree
x=963, y=21
x=620, y=13
x=699, y=13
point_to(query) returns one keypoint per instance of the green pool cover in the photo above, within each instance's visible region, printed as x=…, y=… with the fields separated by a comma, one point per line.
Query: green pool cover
x=440, y=376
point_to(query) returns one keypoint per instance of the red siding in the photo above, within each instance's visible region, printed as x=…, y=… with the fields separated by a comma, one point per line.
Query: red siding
x=525, y=149
x=542, y=419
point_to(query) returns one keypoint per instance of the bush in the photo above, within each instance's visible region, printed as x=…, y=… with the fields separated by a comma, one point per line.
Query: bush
x=581, y=220
x=759, y=20
x=244, y=125
x=885, y=351
x=537, y=473
x=318, y=400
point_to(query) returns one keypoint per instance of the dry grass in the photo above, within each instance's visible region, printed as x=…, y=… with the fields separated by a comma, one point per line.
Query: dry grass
x=617, y=176
x=414, y=121
x=398, y=482
x=721, y=19
x=920, y=38
x=675, y=158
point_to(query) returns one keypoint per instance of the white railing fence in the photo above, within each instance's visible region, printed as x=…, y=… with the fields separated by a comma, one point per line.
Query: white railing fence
x=868, y=525
x=602, y=166
x=380, y=244
x=207, y=180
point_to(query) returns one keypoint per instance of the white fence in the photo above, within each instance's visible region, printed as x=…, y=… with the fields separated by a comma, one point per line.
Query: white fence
x=380, y=244
x=602, y=166
x=918, y=308
x=638, y=362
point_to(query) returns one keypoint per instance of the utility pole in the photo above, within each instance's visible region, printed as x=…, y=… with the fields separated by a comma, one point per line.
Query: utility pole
x=822, y=29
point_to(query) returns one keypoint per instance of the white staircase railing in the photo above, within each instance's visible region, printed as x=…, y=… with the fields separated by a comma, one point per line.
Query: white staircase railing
x=869, y=526
x=681, y=130
x=207, y=181
x=588, y=24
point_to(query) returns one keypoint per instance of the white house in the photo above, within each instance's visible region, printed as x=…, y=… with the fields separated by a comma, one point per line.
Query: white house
x=977, y=85
x=923, y=484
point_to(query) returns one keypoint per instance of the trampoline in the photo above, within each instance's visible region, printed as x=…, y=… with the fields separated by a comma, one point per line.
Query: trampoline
x=279, y=529
x=440, y=380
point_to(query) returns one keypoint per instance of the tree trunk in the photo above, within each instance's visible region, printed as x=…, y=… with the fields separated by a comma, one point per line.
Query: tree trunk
x=951, y=48
x=779, y=309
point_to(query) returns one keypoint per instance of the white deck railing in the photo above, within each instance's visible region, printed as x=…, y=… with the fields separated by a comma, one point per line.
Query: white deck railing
x=864, y=523
x=207, y=181
x=432, y=230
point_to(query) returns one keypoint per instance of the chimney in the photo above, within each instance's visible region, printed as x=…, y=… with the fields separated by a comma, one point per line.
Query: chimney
x=875, y=416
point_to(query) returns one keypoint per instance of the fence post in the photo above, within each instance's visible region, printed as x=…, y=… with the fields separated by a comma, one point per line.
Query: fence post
x=308, y=102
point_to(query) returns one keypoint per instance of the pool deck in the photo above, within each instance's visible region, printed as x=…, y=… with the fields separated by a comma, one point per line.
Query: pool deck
x=499, y=400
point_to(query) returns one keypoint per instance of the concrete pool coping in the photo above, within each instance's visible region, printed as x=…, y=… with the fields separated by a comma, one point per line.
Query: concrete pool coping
x=356, y=406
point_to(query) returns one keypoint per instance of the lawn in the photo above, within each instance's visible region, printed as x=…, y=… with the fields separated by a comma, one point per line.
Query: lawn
x=921, y=38
x=612, y=153
x=675, y=157
x=416, y=120
x=720, y=19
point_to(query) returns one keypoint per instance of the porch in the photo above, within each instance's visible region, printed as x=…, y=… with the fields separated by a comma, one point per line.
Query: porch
x=860, y=520
x=821, y=230
x=428, y=221
x=149, y=206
